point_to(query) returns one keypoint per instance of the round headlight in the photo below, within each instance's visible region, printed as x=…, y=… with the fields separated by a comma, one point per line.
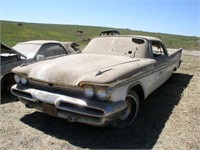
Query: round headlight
x=88, y=91
x=17, y=78
x=24, y=80
x=101, y=93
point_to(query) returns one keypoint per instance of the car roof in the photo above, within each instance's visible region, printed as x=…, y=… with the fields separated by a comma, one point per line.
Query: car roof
x=40, y=42
x=149, y=38
x=115, y=31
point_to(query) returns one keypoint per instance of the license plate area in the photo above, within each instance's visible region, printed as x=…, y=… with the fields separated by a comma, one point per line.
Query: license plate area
x=49, y=109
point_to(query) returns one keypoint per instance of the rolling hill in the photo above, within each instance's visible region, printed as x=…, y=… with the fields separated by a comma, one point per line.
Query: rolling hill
x=14, y=32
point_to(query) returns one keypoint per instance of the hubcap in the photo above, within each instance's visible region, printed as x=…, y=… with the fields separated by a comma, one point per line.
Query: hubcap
x=126, y=112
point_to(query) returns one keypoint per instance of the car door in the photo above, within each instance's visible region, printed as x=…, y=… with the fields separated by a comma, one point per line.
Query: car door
x=161, y=72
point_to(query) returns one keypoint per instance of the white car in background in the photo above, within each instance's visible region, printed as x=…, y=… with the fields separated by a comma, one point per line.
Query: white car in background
x=43, y=49
x=25, y=53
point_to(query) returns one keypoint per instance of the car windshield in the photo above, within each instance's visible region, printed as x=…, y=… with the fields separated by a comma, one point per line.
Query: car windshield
x=121, y=46
x=27, y=49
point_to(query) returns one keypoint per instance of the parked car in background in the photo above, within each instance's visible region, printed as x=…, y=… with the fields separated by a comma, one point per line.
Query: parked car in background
x=105, y=84
x=43, y=49
x=28, y=52
x=10, y=58
x=109, y=32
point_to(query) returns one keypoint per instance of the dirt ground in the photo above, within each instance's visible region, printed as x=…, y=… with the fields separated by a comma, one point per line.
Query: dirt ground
x=169, y=119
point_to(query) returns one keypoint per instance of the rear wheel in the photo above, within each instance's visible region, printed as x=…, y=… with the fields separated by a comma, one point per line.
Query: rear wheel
x=6, y=83
x=128, y=115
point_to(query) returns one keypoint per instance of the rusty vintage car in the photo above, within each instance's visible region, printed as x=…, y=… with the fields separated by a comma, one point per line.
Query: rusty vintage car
x=105, y=84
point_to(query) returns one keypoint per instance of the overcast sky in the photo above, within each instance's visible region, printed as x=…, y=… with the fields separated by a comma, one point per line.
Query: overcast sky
x=166, y=16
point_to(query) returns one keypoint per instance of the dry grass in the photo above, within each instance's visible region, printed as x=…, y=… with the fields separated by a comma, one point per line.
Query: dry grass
x=169, y=119
x=182, y=129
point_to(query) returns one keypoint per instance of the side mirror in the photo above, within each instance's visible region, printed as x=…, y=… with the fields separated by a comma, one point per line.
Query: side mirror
x=39, y=57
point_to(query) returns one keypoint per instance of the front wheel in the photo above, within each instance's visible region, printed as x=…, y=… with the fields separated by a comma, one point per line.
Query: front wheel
x=128, y=115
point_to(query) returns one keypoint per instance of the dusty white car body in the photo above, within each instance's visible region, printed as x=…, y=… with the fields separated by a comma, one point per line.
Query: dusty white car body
x=103, y=85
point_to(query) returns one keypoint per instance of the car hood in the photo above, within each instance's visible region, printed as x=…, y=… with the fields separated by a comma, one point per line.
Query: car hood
x=73, y=69
x=6, y=49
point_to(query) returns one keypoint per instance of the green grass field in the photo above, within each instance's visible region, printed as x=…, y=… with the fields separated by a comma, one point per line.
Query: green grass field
x=14, y=32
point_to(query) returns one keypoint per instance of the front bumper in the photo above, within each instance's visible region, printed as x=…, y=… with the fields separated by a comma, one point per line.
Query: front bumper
x=74, y=109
